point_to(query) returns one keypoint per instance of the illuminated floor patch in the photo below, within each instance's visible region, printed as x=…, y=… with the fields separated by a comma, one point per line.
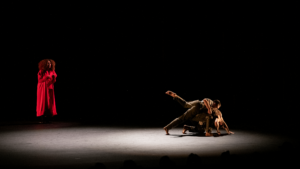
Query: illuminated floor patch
x=61, y=145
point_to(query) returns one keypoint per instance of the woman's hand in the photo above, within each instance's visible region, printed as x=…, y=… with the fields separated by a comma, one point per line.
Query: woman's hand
x=230, y=132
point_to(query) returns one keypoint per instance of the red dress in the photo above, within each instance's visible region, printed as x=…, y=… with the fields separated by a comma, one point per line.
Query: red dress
x=45, y=104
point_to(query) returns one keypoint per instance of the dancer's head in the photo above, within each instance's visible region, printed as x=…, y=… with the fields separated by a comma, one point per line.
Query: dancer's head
x=216, y=104
x=47, y=64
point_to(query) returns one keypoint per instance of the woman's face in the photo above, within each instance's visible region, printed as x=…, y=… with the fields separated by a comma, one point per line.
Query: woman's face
x=49, y=64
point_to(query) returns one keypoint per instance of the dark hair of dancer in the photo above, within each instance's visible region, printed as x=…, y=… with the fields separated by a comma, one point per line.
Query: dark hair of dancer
x=43, y=64
x=217, y=102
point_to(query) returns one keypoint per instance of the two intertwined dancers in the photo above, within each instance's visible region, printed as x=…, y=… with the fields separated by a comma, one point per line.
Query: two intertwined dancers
x=201, y=112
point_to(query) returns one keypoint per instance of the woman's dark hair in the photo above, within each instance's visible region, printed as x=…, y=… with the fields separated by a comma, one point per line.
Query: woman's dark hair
x=43, y=64
x=217, y=102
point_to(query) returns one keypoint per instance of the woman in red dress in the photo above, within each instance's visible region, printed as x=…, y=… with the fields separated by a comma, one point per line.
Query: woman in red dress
x=45, y=105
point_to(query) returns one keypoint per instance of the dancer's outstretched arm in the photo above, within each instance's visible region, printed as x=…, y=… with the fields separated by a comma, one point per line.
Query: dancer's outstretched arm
x=227, y=128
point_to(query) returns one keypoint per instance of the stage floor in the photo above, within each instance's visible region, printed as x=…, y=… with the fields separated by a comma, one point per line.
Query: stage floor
x=75, y=145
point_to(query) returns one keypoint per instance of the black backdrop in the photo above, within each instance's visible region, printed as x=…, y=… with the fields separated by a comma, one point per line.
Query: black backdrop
x=115, y=61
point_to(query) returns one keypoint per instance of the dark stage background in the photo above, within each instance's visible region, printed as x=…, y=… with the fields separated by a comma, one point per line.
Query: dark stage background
x=115, y=61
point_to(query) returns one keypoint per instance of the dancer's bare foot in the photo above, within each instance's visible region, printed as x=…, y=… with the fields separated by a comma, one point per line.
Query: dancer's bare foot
x=171, y=93
x=208, y=134
x=185, y=128
x=167, y=131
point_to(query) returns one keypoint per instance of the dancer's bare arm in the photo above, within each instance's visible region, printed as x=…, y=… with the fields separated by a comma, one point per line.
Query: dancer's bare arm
x=207, y=106
x=226, y=127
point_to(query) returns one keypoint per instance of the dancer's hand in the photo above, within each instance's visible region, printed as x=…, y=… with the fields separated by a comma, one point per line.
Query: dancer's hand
x=230, y=132
x=171, y=93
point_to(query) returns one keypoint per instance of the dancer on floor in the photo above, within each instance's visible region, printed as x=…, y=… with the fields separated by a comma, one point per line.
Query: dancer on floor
x=45, y=104
x=219, y=121
x=200, y=123
x=204, y=107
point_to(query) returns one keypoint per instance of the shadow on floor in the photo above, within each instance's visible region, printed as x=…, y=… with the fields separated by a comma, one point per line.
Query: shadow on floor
x=195, y=134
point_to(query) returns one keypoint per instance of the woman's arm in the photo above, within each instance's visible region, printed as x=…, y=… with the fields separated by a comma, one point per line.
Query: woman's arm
x=227, y=128
x=42, y=78
x=207, y=106
x=54, y=75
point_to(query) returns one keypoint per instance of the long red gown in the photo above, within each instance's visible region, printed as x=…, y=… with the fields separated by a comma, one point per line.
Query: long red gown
x=45, y=104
